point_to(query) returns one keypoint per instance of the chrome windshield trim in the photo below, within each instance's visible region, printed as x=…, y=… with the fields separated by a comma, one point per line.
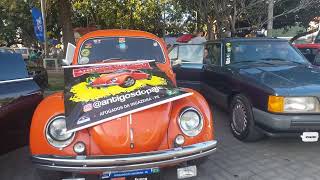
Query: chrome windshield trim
x=16, y=80
x=125, y=162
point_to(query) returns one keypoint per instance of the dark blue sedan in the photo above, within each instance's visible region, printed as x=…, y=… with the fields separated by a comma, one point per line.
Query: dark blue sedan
x=268, y=86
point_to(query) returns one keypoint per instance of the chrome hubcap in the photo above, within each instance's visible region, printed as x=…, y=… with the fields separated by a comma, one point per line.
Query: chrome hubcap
x=239, y=118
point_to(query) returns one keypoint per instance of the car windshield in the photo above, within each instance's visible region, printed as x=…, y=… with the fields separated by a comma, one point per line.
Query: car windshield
x=97, y=50
x=256, y=51
x=187, y=53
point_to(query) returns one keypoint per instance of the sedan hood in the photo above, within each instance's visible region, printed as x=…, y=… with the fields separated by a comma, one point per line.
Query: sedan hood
x=284, y=78
x=143, y=131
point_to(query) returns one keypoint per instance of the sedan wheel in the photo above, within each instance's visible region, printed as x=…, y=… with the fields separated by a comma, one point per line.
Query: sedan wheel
x=239, y=118
x=242, y=121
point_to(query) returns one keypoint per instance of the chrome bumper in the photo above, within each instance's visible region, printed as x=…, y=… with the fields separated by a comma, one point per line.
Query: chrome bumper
x=124, y=162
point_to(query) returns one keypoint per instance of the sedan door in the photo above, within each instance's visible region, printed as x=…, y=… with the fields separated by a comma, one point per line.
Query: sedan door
x=187, y=64
x=217, y=77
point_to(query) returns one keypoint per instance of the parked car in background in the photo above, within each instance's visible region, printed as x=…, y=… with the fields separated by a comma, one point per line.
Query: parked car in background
x=23, y=51
x=268, y=87
x=174, y=133
x=6, y=50
x=19, y=96
x=38, y=73
x=311, y=52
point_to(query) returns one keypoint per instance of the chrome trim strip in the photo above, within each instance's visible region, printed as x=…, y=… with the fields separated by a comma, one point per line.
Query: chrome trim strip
x=16, y=80
x=125, y=162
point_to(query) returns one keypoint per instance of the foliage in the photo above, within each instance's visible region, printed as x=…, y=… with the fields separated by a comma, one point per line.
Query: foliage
x=126, y=14
x=156, y=16
x=14, y=16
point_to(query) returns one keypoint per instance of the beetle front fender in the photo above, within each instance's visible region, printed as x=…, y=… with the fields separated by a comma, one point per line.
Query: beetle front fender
x=50, y=107
x=197, y=101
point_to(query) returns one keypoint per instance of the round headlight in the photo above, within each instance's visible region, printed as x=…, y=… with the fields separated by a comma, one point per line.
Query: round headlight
x=56, y=132
x=190, y=122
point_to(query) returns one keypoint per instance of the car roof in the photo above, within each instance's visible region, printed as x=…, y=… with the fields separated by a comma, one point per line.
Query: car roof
x=119, y=33
x=21, y=48
x=248, y=39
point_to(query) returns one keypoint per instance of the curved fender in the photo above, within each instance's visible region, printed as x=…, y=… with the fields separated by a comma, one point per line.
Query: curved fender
x=197, y=101
x=50, y=107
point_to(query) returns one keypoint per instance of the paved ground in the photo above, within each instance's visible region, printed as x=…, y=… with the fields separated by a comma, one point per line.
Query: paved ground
x=276, y=159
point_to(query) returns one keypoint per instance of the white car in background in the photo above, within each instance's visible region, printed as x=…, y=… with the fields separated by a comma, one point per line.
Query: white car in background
x=6, y=50
x=23, y=51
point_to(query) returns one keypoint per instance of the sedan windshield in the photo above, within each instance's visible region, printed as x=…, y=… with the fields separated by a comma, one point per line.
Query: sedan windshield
x=256, y=51
x=97, y=50
x=187, y=53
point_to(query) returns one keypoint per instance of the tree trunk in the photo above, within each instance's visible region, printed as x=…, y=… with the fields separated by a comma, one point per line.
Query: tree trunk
x=65, y=22
x=233, y=19
x=270, y=18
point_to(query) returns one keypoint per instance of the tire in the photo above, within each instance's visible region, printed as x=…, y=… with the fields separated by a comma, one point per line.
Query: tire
x=149, y=77
x=128, y=82
x=242, y=121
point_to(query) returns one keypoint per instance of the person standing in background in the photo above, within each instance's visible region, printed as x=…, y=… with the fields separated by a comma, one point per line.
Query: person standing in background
x=199, y=39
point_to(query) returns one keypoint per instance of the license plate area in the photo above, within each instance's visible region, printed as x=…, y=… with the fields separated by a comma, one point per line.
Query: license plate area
x=141, y=174
x=187, y=172
x=310, y=136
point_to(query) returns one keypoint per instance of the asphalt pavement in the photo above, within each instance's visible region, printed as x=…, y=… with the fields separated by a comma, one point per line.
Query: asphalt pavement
x=276, y=159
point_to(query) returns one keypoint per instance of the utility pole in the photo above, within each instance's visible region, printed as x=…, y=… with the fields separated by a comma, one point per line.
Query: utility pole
x=270, y=18
x=43, y=5
x=164, y=20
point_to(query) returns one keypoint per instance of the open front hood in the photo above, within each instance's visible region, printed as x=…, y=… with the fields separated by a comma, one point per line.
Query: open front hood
x=139, y=132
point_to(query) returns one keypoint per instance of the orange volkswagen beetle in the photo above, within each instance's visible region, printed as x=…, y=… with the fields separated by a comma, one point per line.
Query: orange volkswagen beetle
x=136, y=145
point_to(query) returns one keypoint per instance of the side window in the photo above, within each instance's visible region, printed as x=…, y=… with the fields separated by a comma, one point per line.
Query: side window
x=212, y=54
x=173, y=54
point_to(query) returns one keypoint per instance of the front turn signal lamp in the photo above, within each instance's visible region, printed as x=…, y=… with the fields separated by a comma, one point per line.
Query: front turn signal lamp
x=276, y=104
x=279, y=104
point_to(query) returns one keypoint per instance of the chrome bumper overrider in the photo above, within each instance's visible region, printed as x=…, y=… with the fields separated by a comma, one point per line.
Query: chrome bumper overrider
x=125, y=162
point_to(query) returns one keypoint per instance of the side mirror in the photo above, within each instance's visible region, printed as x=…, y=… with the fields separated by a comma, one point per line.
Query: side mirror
x=65, y=62
x=69, y=54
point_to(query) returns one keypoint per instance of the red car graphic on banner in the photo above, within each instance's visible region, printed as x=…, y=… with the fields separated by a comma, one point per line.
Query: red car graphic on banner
x=123, y=78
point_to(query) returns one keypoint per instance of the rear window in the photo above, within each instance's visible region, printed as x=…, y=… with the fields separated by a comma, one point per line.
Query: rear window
x=12, y=66
x=97, y=50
